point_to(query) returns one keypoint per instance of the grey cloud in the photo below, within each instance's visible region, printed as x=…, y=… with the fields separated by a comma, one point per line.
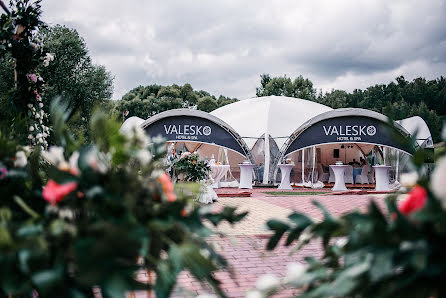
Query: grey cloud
x=223, y=46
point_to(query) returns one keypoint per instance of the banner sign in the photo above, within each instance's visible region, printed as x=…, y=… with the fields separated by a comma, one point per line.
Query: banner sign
x=349, y=129
x=193, y=129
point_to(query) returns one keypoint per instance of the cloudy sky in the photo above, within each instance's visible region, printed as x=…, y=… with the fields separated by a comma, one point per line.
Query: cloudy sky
x=223, y=46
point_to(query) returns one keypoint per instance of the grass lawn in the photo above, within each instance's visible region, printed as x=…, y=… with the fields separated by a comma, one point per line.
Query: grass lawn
x=295, y=193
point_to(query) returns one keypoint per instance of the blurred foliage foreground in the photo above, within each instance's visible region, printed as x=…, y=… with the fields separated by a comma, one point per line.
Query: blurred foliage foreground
x=392, y=251
x=74, y=217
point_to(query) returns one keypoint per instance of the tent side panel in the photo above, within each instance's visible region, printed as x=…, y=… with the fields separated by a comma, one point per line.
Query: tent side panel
x=193, y=129
x=350, y=129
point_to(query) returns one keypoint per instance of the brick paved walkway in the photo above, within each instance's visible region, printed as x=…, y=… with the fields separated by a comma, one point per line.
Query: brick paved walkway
x=244, y=246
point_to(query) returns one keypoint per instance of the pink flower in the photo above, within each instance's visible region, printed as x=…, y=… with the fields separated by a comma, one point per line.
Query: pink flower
x=3, y=172
x=32, y=77
x=416, y=200
x=38, y=97
x=54, y=193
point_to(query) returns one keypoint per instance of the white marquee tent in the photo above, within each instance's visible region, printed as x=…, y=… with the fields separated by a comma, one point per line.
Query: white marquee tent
x=269, y=119
x=416, y=126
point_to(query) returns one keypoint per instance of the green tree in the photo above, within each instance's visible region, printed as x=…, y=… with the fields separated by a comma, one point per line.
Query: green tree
x=335, y=99
x=207, y=104
x=73, y=76
x=146, y=101
x=284, y=86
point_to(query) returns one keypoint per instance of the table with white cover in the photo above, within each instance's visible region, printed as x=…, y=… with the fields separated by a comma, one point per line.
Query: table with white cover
x=246, y=175
x=218, y=172
x=285, y=169
x=382, y=177
x=339, y=171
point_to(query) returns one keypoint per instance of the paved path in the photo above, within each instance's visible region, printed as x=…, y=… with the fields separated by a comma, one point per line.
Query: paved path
x=244, y=246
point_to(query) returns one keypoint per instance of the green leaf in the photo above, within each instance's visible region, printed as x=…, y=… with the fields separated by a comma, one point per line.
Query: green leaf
x=327, y=215
x=47, y=279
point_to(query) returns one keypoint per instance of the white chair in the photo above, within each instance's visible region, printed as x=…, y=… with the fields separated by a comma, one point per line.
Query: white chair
x=348, y=175
x=332, y=176
x=371, y=175
x=324, y=176
x=363, y=178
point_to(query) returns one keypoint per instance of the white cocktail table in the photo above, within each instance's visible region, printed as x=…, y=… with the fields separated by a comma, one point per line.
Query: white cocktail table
x=382, y=177
x=285, y=182
x=339, y=171
x=218, y=172
x=246, y=175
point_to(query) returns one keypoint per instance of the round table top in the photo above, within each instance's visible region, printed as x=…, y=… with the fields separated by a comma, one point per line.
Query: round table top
x=381, y=166
x=246, y=165
x=222, y=166
x=339, y=166
x=286, y=165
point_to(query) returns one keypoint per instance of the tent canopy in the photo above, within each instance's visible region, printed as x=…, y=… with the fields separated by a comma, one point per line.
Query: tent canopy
x=185, y=125
x=129, y=123
x=276, y=116
x=417, y=127
x=351, y=125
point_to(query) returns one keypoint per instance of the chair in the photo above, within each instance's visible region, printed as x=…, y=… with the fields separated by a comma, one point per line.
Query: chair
x=348, y=175
x=371, y=175
x=331, y=179
x=324, y=176
x=363, y=178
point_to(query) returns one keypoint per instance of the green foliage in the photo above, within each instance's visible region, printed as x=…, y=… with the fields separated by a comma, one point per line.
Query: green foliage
x=146, y=101
x=21, y=52
x=121, y=209
x=207, y=104
x=190, y=167
x=376, y=253
x=73, y=76
x=284, y=86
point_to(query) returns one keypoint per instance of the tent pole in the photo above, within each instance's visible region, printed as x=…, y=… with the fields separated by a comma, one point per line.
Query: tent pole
x=314, y=161
x=397, y=176
x=267, y=159
x=303, y=166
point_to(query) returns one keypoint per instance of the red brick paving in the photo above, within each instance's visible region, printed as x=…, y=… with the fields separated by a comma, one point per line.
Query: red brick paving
x=247, y=255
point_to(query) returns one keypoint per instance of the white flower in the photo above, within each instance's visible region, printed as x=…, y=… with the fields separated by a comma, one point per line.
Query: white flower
x=205, y=253
x=73, y=161
x=54, y=155
x=137, y=134
x=254, y=294
x=267, y=283
x=31, y=128
x=341, y=242
x=37, y=116
x=40, y=105
x=40, y=140
x=144, y=157
x=206, y=296
x=66, y=213
x=306, y=234
x=96, y=163
x=20, y=159
x=30, y=105
x=409, y=179
x=295, y=272
x=438, y=181
x=48, y=58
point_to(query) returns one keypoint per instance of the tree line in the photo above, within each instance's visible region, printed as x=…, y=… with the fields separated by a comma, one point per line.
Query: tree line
x=397, y=100
x=146, y=101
